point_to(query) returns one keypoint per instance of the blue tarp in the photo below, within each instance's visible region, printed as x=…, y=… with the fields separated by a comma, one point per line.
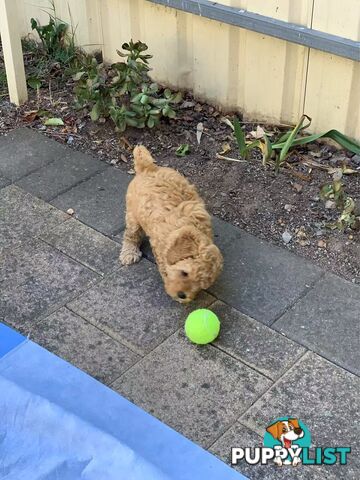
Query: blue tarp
x=57, y=423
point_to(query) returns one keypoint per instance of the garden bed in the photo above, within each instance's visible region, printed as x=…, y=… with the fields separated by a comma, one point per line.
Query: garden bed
x=279, y=208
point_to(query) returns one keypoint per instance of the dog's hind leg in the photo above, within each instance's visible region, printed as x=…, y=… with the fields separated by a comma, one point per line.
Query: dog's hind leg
x=133, y=235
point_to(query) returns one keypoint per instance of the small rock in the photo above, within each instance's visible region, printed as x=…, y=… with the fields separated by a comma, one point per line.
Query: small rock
x=70, y=140
x=187, y=104
x=330, y=205
x=113, y=162
x=123, y=158
x=356, y=159
x=70, y=211
x=321, y=244
x=289, y=207
x=131, y=172
x=286, y=236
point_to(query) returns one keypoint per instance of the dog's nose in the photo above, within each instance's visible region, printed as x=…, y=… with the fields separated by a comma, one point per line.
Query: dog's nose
x=181, y=295
x=297, y=431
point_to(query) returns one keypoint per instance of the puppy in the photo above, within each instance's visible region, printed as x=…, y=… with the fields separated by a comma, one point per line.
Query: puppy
x=163, y=205
x=286, y=432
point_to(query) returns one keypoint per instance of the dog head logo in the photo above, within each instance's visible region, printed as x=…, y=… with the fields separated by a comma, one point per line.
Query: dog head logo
x=287, y=435
x=286, y=431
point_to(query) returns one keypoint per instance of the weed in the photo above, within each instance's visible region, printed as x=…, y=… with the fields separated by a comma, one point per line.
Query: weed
x=57, y=40
x=334, y=191
x=279, y=148
x=290, y=139
x=124, y=91
x=182, y=150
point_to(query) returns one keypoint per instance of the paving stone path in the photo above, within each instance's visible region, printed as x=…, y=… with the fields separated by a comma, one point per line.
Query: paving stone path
x=289, y=343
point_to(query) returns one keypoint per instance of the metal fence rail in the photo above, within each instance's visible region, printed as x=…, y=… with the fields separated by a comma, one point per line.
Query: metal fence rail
x=291, y=32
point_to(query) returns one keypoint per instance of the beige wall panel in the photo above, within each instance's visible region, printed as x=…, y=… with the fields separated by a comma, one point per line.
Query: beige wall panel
x=28, y=9
x=333, y=93
x=333, y=86
x=115, y=17
x=338, y=18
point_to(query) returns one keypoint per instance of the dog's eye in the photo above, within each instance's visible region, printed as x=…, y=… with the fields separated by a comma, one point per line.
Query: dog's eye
x=184, y=274
x=284, y=430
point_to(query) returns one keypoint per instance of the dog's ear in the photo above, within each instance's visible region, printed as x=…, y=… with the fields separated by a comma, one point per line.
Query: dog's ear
x=294, y=422
x=213, y=259
x=183, y=245
x=274, y=430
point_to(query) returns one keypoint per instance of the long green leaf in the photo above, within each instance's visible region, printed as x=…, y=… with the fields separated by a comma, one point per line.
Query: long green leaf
x=240, y=137
x=340, y=138
x=289, y=142
x=285, y=136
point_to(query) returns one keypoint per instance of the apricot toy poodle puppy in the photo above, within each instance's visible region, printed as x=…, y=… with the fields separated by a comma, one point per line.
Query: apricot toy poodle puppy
x=163, y=205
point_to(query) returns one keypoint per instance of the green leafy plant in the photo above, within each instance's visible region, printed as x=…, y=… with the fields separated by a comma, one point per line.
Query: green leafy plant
x=56, y=54
x=291, y=139
x=349, y=217
x=57, y=39
x=279, y=148
x=124, y=91
x=182, y=150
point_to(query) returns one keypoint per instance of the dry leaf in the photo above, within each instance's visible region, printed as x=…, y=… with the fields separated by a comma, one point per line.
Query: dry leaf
x=303, y=243
x=221, y=157
x=258, y=133
x=125, y=143
x=123, y=158
x=297, y=187
x=30, y=116
x=225, y=148
x=300, y=233
x=227, y=121
x=199, y=131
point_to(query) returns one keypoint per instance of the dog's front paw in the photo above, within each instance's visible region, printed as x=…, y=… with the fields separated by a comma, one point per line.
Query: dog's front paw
x=278, y=462
x=130, y=255
x=296, y=461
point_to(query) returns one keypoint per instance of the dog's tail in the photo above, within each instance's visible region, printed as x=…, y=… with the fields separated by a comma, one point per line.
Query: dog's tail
x=143, y=161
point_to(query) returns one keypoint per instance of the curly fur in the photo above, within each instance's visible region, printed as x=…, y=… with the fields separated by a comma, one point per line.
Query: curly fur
x=163, y=205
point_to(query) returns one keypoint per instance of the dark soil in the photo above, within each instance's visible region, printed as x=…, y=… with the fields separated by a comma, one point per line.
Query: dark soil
x=245, y=194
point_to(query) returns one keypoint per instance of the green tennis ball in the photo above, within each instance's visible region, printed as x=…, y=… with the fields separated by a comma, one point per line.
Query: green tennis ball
x=202, y=326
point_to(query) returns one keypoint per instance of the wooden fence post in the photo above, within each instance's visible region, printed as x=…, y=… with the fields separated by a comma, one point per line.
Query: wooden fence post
x=11, y=44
